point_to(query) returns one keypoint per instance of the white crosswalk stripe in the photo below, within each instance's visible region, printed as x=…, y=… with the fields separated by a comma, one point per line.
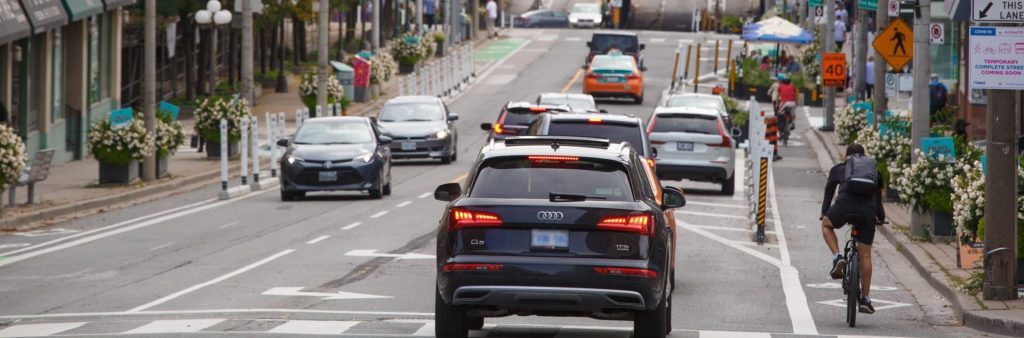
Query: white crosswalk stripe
x=175, y=326
x=313, y=327
x=38, y=330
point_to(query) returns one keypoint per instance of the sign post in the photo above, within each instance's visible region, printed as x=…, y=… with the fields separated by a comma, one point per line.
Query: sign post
x=833, y=69
x=895, y=43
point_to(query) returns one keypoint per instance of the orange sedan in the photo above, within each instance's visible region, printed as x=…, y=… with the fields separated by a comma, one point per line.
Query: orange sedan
x=615, y=75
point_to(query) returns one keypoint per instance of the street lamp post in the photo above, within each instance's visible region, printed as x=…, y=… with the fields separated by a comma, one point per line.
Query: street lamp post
x=211, y=17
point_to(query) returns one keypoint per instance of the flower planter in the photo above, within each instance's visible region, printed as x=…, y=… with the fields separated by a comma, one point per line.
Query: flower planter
x=406, y=69
x=744, y=92
x=891, y=195
x=213, y=149
x=440, y=49
x=115, y=174
x=942, y=224
x=374, y=91
x=161, y=167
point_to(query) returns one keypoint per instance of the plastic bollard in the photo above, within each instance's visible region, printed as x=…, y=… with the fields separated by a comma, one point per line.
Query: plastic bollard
x=272, y=142
x=281, y=125
x=224, y=156
x=243, y=148
x=255, y=131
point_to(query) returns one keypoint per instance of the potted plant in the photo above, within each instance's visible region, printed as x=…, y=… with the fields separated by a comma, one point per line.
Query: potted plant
x=335, y=92
x=408, y=50
x=12, y=157
x=754, y=81
x=439, y=39
x=738, y=115
x=927, y=187
x=969, y=211
x=119, y=148
x=169, y=136
x=849, y=121
x=732, y=24
x=382, y=66
x=208, y=115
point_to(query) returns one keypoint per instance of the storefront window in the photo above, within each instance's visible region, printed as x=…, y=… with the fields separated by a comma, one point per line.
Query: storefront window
x=99, y=58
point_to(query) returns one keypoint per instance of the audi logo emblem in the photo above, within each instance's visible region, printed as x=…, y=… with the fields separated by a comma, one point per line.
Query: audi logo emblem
x=550, y=215
x=328, y=165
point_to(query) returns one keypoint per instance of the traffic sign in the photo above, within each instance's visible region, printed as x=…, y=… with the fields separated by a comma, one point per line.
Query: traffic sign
x=936, y=33
x=895, y=43
x=996, y=58
x=868, y=5
x=833, y=69
x=890, y=85
x=894, y=8
x=819, y=14
x=997, y=10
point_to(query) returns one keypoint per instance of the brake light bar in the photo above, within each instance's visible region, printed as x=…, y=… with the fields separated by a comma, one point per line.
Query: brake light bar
x=555, y=158
x=597, y=120
x=639, y=223
x=472, y=267
x=615, y=271
x=538, y=109
x=462, y=218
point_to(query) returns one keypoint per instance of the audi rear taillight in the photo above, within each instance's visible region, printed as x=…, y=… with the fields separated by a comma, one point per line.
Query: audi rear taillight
x=615, y=271
x=472, y=267
x=463, y=218
x=725, y=138
x=638, y=223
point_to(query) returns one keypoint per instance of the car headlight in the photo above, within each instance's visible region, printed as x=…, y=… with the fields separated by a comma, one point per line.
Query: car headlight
x=365, y=158
x=292, y=159
x=439, y=135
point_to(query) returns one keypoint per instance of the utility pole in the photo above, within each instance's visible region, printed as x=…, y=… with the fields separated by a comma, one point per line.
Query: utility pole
x=376, y=25
x=1001, y=207
x=860, y=50
x=881, y=103
x=247, y=53
x=830, y=92
x=149, y=92
x=920, y=121
x=474, y=9
x=419, y=15
x=321, y=93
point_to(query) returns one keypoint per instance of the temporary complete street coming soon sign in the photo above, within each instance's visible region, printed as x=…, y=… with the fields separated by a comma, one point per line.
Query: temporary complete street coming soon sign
x=996, y=58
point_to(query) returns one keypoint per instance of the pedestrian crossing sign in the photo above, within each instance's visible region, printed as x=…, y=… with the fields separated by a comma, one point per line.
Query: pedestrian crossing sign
x=895, y=43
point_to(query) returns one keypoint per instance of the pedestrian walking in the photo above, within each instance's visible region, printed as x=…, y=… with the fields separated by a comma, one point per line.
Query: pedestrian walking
x=492, y=17
x=869, y=78
x=840, y=30
x=937, y=97
x=429, y=9
x=841, y=13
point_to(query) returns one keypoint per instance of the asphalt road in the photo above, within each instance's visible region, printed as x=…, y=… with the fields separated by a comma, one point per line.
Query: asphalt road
x=342, y=264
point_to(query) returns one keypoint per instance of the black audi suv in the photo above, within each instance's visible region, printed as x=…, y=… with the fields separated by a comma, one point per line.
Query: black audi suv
x=554, y=226
x=335, y=154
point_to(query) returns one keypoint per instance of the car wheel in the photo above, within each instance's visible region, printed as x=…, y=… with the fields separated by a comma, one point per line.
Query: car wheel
x=455, y=152
x=287, y=196
x=668, y=315
x=672, y=275
x=377, y=192
x=475, y=323
x=651, y=324
x=449, y=320
x=729, y=186
x=387, y=187
x=446, y=159
x=639, y=99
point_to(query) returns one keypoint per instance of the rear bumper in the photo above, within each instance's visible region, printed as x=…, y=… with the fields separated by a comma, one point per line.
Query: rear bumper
x=706, y=172
x=424, y=149
x=548, y=298
x=636, y=88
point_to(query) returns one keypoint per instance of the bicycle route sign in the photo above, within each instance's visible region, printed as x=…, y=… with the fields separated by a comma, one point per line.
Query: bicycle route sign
x=895, y=43
x=997, y=10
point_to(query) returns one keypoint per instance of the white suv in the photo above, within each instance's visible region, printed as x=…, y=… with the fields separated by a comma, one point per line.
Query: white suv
x=693, y=143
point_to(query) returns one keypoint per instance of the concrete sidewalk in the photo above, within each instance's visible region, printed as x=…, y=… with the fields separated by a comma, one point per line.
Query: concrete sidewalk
x=937, y=263
x=71, y=190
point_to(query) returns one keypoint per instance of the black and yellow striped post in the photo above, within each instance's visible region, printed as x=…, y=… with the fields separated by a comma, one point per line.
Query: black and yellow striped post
x=762, y=199
x=772, y=132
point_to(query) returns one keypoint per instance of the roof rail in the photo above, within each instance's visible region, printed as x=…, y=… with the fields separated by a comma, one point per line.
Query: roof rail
x=590, y=142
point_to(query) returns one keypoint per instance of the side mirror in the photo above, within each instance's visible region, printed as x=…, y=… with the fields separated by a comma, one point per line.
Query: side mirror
x=453, y=117
x=654, y=152
x=282, y=142
x=672, y=197
x=448, y=192
x=384, y=140
x=736, y=132
x=589, y=45
x=602, y=111
x=486, y=126
x=643, y=68
x=643, y=46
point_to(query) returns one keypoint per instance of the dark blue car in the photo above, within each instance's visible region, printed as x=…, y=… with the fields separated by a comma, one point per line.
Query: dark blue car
x=336, y=154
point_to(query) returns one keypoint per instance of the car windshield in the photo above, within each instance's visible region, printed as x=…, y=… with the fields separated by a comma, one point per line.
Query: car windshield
x=576, y=103
x=585, y=8
x=333, y=132
x=538, y=177
x=603, y=43
x=519, y=117
x=412, y=112
x=685, y=123
x=611, y=62
x=712, y=103
x=613, y=132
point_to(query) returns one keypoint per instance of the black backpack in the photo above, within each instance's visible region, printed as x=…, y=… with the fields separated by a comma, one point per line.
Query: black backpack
x=861, y=176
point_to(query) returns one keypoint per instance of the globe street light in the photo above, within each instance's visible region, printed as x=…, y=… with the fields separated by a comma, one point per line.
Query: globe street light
x=211, y=17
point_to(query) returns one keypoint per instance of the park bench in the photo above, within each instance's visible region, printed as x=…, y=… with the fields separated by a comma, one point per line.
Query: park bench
x=36, y=172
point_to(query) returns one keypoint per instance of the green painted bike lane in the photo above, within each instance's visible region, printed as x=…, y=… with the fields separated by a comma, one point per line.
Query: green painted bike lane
x=497, y=50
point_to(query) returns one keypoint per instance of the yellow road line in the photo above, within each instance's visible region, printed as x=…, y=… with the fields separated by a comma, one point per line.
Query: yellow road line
x=460, y=178
x=572, y=81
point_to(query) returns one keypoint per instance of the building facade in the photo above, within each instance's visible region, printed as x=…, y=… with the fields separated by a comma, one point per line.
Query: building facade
x=59, y=70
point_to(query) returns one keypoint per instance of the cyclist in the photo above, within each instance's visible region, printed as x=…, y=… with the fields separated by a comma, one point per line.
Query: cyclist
x=787, y=99
x=861, y=211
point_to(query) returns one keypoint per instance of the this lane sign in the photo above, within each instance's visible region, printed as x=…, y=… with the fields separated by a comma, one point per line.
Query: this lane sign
x=936, y=33
x=997, y=10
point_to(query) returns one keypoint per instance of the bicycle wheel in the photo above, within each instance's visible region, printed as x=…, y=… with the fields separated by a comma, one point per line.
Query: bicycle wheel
x=852, y=297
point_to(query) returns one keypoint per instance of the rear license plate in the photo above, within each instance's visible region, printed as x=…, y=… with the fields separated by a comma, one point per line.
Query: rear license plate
x=550, y=239
x=613, y=79
x=408, y=146
x=328, y=176
x=684, y=146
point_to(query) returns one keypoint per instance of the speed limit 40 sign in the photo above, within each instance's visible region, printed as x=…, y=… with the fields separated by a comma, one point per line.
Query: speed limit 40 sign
x=833, y=69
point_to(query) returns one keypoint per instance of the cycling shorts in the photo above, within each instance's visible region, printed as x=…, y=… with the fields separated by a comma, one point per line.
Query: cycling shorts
x=856, y=212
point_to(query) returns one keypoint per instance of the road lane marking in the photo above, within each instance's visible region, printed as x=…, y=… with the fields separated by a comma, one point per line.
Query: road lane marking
x=424, y=195
x=721, y=228
x=573, y=38
x=292, y=291
x=879, y=303
x=38, y=330
x=189, y=209
x=318, y=239
x=572, y=81
x=211, y=282
x=427, y=330
x=374, y=253
x=14, y=245
x=732, y=244
x=352, y=226
x=46, y=232
x=728, y=334
x=711, y=214
x=379, y=214
x=796, y=300
x=313, y=327
x=225, y=226
x=837, y=286
x=175, y=326
x=719, y=205
x=161, y=246
x=217, y=311
x=403, y=204
x=657, y=40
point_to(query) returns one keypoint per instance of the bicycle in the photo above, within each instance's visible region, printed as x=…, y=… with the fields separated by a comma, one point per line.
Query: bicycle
x=851, y=276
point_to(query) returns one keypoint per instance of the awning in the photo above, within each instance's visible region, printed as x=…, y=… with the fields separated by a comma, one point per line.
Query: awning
x=13, y=23
x=81, y=9
x=114, y=4
x=44, y=14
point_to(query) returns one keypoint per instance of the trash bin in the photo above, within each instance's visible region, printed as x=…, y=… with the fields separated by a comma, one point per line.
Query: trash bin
x=346, y=75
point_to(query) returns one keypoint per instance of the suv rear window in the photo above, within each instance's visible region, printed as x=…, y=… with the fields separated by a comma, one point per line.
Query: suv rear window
x=688, y=123
x=536, y=178
x=603, y=43
x=615, y=133
x=519, y=117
